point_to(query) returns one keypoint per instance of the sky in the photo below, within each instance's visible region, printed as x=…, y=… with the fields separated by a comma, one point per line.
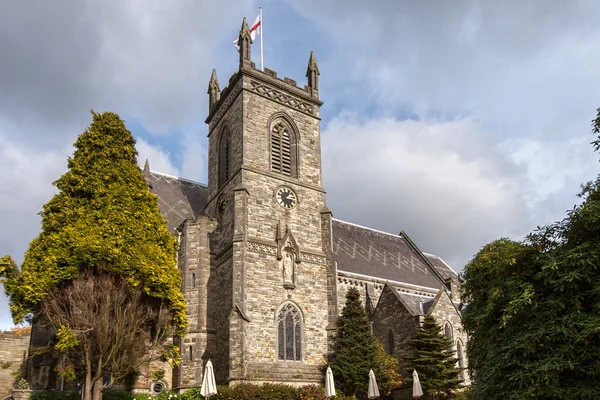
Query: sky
x=458, y=122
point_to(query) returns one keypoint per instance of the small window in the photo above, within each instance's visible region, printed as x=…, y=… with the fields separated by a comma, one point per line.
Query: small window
x=289, y=333
x=390, y=342
x=191, y=353
x=448, y=330
x=224, y=157
x=193, y=280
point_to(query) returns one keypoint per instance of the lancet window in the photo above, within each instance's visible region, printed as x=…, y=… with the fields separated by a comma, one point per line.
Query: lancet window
x=289, y=333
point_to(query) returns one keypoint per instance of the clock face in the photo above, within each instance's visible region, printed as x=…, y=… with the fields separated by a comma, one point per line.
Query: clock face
x=286, y=197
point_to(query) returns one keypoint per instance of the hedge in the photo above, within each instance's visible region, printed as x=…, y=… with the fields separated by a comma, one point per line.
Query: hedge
x=242, y=391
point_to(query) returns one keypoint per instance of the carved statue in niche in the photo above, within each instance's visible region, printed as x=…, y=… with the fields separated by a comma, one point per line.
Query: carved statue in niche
x=288, y=268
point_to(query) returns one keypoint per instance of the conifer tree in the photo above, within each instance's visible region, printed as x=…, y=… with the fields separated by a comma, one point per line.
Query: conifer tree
x=357, y=350
x=103, y=223
x=434, y=359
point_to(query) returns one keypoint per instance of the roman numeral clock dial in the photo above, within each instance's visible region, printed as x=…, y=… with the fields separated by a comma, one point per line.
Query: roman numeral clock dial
x=286, y=197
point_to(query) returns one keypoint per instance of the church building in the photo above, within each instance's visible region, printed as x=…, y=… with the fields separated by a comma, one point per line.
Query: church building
x=265, y=265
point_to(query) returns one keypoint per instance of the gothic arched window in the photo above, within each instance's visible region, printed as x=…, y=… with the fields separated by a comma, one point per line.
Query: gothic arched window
x=224, y=156
x=448, y=330
x=289, y=333
x=283, y=149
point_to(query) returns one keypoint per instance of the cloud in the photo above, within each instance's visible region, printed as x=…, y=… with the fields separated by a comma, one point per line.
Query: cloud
x=444, y=182
x=144, y=60
x=158, y=158
x=419, y=176
x=194, y=161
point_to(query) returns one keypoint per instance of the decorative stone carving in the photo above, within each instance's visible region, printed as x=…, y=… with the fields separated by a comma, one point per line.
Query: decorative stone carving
x=313, y=258
x=288, y=268
x=281, y=97
x=262, y=248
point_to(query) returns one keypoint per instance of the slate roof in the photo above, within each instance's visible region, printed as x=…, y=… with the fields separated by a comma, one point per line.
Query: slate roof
x=178, y=198
x=366, y=251
x=440, y=266
x=416, y=305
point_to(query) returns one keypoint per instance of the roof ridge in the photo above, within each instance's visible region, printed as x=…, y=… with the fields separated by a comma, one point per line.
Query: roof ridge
x=369, y=229
x=442, y=260
x=178, y=178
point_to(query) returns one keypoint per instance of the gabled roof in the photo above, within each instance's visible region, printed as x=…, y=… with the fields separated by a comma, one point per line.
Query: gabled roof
x=366, y=251
x=415, y=304
x=178, y=198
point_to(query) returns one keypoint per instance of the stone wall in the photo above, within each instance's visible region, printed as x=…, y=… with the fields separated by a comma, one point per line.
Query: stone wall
x=391, y=317
x=194, y=263
x=444, y=311
x=14, y=347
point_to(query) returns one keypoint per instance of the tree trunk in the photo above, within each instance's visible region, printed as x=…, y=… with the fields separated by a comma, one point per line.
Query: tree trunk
x=97, y=390
x=97, y=382
x=86, y=390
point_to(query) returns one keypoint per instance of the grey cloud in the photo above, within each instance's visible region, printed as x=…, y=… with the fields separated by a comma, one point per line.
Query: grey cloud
x=415, y=176
x=146, y=61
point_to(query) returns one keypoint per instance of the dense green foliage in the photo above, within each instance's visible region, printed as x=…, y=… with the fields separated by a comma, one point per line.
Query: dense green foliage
x=357, y=351
x=534, y=313
x=104, y=218
x=433, y=359
x=243, y=391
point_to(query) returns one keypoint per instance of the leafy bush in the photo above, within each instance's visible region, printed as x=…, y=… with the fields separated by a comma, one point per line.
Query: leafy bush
x=54, y=395
x=268, y=391
x=116, y=395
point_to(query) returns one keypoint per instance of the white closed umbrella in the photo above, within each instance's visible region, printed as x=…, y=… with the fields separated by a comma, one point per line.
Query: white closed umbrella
x=417, y=390
x=329, y=384
x=209, y=387
x=373, y=389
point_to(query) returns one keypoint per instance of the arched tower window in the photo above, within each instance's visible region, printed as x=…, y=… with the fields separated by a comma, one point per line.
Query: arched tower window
x=283, y=148
x=448, y=330
x=390, y=342
x=224, y=156
x=289, y=333
x=193, y=279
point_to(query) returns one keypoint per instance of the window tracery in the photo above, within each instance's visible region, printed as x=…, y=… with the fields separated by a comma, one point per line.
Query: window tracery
x=289, y=333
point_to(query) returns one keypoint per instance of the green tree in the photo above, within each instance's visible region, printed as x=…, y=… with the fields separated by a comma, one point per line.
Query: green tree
x=534, y=309
x=357, y=350
x=103, y=221
x=434, y=359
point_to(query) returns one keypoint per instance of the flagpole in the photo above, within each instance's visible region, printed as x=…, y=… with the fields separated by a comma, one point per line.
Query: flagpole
x=261, y=40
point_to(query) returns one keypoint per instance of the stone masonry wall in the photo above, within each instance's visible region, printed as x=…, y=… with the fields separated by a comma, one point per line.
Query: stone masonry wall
x=13, y=359
x=392, y=316
x=369, y=292
x=195, y=269
x=445, y=312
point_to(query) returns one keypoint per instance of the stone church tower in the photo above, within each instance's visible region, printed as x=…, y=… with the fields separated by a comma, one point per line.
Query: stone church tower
x=261, y=299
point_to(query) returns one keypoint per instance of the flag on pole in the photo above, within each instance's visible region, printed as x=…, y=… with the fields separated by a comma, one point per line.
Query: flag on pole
x=254, y=30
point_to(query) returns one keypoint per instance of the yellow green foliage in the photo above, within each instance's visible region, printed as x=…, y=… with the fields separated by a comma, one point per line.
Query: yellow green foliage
x=66, y=339
x=103, y=217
